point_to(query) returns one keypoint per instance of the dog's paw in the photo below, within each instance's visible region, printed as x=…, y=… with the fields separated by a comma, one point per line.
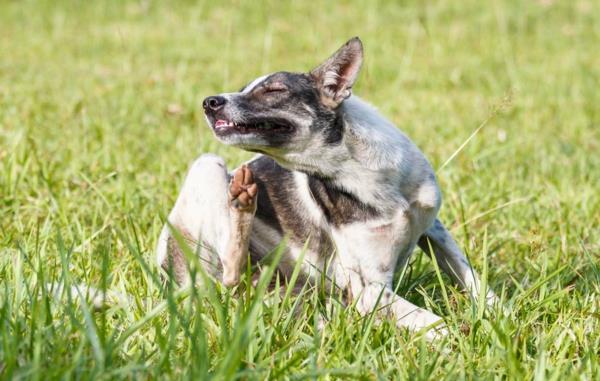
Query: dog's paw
x=243, y=190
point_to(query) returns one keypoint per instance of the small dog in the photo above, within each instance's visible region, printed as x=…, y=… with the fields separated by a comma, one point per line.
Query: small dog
x=333, y=175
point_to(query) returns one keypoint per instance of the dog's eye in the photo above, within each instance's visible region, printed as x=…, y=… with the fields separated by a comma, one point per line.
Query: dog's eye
x=275, y=88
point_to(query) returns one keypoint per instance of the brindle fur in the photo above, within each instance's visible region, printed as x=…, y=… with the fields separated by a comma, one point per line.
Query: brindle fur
x=332, y=172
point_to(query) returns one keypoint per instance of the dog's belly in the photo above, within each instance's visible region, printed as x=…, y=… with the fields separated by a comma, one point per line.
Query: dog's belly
x=315, y=254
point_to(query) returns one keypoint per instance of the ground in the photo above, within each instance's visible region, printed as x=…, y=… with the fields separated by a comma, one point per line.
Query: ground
x=100, y=115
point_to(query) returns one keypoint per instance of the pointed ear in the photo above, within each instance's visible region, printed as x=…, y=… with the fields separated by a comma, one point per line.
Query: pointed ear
x=336, y=76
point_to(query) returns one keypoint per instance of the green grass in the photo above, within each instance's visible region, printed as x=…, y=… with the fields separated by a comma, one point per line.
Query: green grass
x=100, y=115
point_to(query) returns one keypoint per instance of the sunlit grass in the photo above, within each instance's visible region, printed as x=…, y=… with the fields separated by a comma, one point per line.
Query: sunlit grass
x=100, y=116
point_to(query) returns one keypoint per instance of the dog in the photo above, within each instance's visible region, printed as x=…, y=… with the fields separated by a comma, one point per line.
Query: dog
x=352, y=194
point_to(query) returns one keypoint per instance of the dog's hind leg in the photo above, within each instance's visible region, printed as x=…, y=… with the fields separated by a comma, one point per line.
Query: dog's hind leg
x=451, y=259
x=242, y=207
x=215, y=216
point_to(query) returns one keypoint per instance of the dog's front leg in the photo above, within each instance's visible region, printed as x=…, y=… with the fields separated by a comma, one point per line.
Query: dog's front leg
x=367, y=257
x=371, y=295
x=381, y=298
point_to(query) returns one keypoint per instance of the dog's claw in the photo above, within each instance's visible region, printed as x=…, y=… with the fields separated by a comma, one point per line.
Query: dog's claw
x=244, y=199
x=252, y=190
x=248, y=176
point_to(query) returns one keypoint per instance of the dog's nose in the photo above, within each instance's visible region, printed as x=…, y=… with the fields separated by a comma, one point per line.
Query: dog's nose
x=214, y=103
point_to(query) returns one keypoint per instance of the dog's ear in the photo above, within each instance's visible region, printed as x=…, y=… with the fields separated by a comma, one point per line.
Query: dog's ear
x=337, y=74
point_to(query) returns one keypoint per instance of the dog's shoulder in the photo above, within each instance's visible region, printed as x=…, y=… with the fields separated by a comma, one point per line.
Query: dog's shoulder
x=385, y=161
x=375, y=141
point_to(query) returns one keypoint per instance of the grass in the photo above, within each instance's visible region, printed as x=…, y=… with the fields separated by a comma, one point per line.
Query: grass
x=100, y=115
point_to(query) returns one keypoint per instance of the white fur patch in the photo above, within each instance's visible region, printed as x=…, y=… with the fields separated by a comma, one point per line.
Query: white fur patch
x=428, y=195
x=162, y=245
x=314, y=212
x=201, y=209
x=248, y=89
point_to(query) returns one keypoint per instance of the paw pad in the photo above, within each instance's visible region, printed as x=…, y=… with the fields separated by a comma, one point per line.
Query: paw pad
x=243, y=189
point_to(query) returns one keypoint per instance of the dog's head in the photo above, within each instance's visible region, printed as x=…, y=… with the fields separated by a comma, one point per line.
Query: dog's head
x=284, y=112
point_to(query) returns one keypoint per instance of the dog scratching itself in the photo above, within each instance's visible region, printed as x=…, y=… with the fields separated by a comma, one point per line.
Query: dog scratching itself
x=242, y=207
x=348, y=191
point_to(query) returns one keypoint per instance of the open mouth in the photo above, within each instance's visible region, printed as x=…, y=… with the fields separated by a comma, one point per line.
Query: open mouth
x=225, y=127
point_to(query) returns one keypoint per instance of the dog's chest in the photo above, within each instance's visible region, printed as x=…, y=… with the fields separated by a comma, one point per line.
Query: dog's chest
x=305, y=208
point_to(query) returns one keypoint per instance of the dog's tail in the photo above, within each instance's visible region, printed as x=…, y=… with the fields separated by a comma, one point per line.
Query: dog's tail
x=451, y=259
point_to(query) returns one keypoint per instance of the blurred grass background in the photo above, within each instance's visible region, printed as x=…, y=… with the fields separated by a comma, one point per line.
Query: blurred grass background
x=100, y=114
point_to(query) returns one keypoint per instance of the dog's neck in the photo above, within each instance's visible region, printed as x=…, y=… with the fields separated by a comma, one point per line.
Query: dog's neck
x=369, y=162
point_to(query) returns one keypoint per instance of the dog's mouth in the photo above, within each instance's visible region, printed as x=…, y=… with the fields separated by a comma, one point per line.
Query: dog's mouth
x=227, y=127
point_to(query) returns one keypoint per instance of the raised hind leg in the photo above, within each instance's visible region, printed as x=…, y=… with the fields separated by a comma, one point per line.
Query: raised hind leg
x=214, y=213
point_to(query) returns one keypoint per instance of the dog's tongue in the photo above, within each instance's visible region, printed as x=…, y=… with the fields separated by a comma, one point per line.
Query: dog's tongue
x=221, y=123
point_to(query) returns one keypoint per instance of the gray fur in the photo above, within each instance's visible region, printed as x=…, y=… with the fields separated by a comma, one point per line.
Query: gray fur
x=333, y=172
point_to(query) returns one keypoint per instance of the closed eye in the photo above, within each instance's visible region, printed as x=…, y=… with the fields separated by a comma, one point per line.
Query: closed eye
x=275, y=88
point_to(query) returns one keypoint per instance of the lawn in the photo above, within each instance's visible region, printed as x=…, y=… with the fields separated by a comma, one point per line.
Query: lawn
x=100, y=115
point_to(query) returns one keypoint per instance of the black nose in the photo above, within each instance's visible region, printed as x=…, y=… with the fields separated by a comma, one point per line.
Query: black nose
x=214, y=103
